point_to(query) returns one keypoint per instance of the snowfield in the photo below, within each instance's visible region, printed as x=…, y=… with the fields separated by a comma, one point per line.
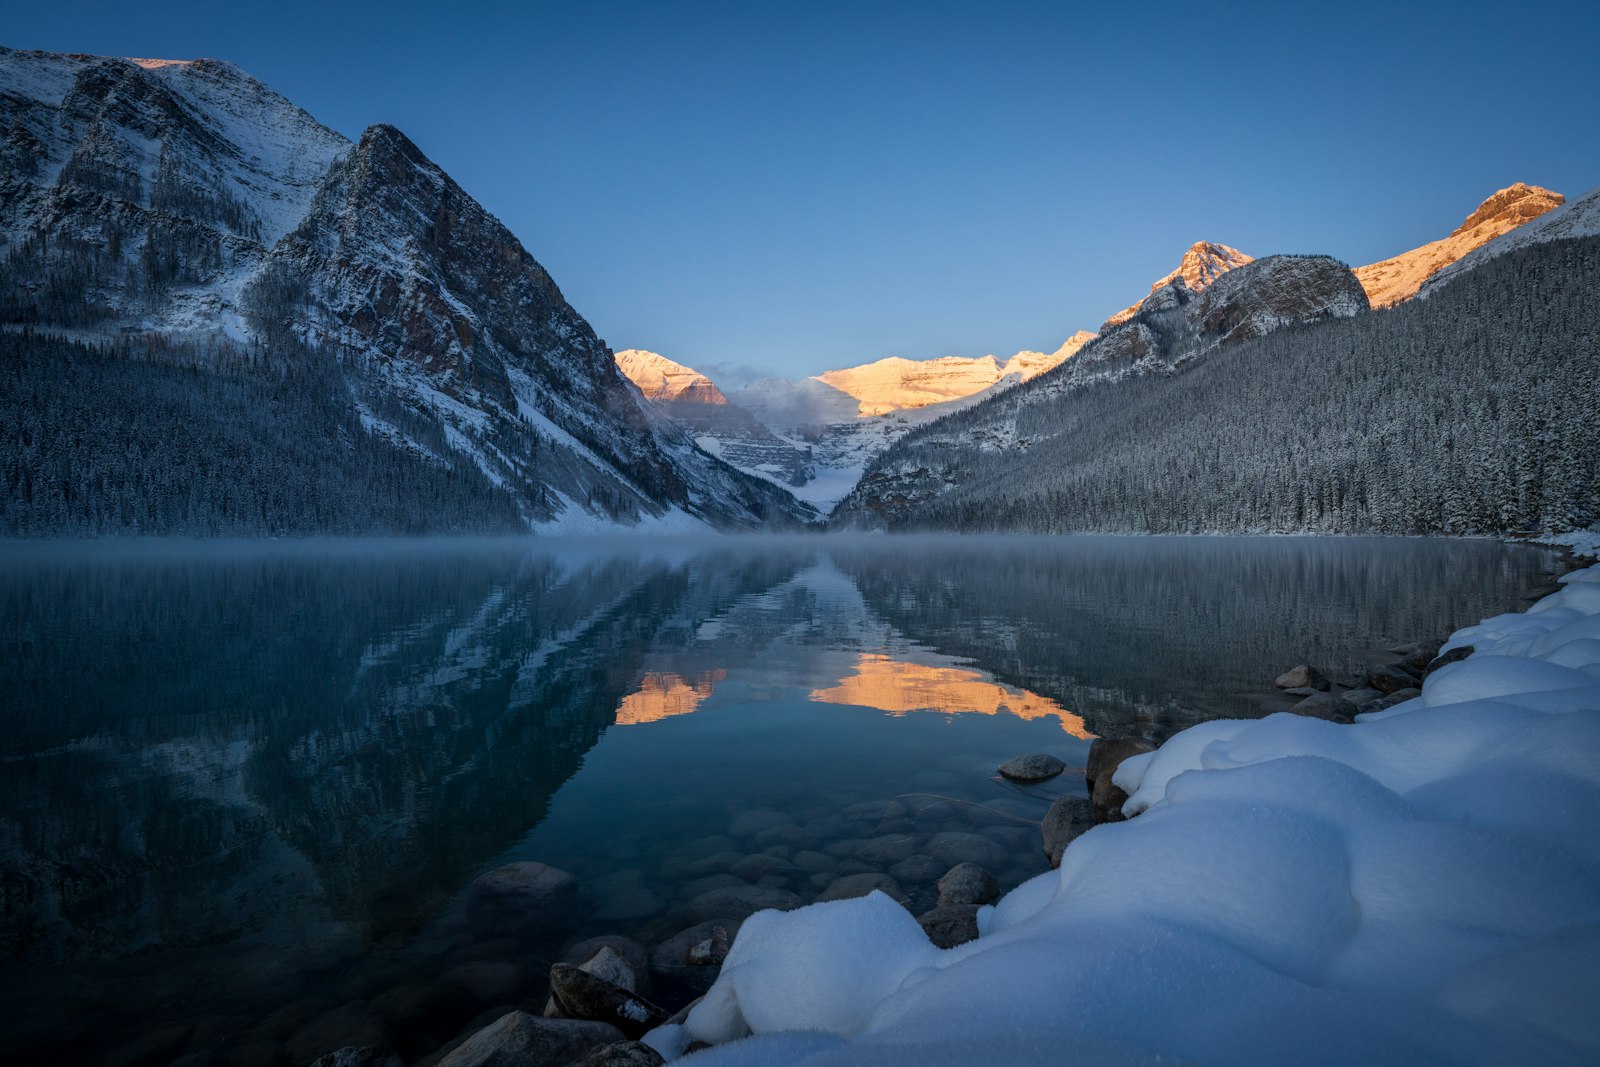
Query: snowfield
x=1421, y=886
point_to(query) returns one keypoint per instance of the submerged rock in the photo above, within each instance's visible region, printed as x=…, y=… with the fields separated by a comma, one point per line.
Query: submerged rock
x=1304, y=676
x=1034, y=767
x=955, y=846
x=859, y=885
x=518, y=1039
x=363, y=1056
x=741, y=902
x=967, y=883
x=528, y=897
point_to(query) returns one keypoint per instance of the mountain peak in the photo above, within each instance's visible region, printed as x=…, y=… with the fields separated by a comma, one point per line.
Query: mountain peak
x=1202, y=263
x=659, y=378
x=1515, y=204
x=1399, y=278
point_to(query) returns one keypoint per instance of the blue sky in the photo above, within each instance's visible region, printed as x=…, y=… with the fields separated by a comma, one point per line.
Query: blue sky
x=780, y=189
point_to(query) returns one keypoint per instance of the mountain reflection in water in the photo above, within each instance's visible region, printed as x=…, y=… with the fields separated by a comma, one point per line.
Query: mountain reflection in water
x=236, y=779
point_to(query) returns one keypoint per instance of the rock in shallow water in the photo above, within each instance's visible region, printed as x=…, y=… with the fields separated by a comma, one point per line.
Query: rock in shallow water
x=741, y=902
x=623, y=1054
x=859, y=885
x=586, y=996
x=967, y=883
x=1304, y=676
x=527, y=897
x=1067, y=818
x=1034, y=767
x=518, y=1039
x=954, y=847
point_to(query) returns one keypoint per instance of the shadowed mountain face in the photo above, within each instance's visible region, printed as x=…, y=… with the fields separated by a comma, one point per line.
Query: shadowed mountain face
x=185, y=214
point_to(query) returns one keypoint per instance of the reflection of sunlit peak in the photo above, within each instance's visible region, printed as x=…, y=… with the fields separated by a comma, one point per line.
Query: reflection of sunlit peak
x=898, y=688
x=661, y=696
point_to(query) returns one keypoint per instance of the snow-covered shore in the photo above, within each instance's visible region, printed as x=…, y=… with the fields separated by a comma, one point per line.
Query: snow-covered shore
x=1421, y=886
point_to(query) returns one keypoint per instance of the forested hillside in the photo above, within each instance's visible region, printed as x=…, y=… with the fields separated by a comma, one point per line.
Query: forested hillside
x=1475, y=410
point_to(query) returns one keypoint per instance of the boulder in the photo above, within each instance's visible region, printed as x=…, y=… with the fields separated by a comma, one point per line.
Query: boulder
x=951, y=925
x=677, y=976
x=523, y=897
x=360, y=1056
x=1034, y=767
x=918, y=869
x=1304, y=676
x=518, y=1039
x=1328, y=706
x=749, y=823
x=1107, y=798
x=623, y=1054
x=1067, y=818
x=1455, y=655
x=1388, y=680
x=967, y=883
x=713, y=950
x=1107, y=753
x=1416, y=661
x=741, y=902
x=859, y=885
x=586, y=996
x=624, y=953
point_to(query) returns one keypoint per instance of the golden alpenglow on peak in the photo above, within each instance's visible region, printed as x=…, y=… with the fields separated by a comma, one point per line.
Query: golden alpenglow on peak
x=1202, y=264
x=1393, y=280
x=659, y=378
x=662, y=695
x=899, y=688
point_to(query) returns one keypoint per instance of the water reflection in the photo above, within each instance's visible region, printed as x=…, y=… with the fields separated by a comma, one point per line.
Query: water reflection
x=899, y=687
x=240, y=787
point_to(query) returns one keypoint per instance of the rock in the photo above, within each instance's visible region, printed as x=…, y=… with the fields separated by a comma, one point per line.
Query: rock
x=701, y=886
x=1107, y=798
x=859, y=885
x=967, y=883
x=528, y=897
x=917, y=869
x=677, y=979
x=357, y=1024
x=1034, y=767
x=754, y=868
x=623, y=1054
x=814, y=862
x=1388, y=680
x=608, y=964
x=1361, y=696
x=1400, y=696
x=713, y=950
x=1300, y=691
x=886, y=851
x=1302, y=677
x=487, y=981
x=1393, y=699
x=1067, y=818
x=751, y=823
x=844, y=847
x=955, y=847
x=1416, y=661
x=872, y=811
x=1455, y=655
x=586, y=996
x=518, y=1039
x=1107, y=753
x=741, y=902
x=951, y=925
x=1328, y=706
x=788, y=835
x=362, y=1056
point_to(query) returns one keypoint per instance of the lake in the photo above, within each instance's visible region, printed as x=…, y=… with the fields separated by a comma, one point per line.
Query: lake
x=244, y=788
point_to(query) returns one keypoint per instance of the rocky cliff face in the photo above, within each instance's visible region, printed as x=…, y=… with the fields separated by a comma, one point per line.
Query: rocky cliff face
x=659, y=378
x=1399, y=278
x=1577, y=218
x=1202, y=264
x=173, y=204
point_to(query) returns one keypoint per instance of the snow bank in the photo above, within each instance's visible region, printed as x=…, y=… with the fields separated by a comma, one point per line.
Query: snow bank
x=1423, y=885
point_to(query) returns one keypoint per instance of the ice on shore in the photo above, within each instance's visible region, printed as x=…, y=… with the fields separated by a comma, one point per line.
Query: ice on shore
x=1421, y=886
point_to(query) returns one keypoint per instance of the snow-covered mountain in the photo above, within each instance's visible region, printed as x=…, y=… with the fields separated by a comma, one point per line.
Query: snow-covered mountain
x=816, y=435
x=1578, y=218
x=185, y=213
x=719, y=427
x=1399, y=278
x=1202, y=264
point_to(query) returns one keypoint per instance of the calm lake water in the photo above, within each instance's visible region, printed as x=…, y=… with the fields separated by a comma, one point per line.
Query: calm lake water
x=244, y=789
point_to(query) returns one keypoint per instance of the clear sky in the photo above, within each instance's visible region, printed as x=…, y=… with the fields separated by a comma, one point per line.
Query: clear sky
x=783, y=188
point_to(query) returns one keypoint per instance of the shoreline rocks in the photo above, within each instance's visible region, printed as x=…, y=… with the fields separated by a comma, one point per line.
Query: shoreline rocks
x=1033, y=767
